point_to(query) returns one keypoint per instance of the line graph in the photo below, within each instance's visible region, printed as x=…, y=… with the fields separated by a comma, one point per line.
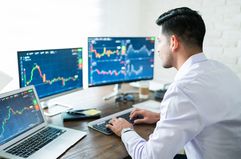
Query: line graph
x=120, y=59
x=11, y=112
x=18, y=113
x=107, y=52
x=43, y=77
x=119, y=48
x=109, y=72
x=130, y=70
x=51, y=71
x=142, y=52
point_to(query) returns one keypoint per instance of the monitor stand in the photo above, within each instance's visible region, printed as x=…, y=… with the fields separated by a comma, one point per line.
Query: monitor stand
x=119, y=95
x=116, y=92
x=44, y=104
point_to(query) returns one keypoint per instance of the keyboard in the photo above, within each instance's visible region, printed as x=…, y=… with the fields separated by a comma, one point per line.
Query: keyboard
x=36, y=142
x=100, y=124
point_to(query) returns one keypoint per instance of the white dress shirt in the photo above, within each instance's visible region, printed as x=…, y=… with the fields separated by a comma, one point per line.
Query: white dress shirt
x=201, y=111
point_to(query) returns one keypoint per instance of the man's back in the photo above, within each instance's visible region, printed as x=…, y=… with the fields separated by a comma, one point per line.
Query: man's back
x=215, y=92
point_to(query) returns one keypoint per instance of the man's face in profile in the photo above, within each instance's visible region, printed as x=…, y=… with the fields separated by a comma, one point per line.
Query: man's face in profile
x=163, y=49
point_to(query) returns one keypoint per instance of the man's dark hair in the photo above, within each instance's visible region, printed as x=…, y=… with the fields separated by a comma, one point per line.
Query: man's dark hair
x=187, y=24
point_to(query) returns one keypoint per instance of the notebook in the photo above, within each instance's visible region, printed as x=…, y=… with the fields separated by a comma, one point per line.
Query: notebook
x=24, y=131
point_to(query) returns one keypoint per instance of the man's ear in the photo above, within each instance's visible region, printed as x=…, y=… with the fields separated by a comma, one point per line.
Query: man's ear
x=174, y=43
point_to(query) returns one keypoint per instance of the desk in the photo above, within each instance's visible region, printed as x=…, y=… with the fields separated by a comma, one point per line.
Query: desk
x=97, y=145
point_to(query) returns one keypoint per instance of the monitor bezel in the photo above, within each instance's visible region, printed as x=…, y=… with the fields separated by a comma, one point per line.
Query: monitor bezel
x=119, y=82
x=48, y=97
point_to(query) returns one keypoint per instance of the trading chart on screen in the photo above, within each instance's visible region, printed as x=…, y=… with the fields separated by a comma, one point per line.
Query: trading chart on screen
x=14, y=111
x=51, y=71
x=120, y=59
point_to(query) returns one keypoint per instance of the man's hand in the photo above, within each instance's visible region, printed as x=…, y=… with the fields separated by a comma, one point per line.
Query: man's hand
x=148, y=116
x=116, y=125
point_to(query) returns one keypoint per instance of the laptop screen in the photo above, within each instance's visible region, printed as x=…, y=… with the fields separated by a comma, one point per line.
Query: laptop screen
x=18, y=113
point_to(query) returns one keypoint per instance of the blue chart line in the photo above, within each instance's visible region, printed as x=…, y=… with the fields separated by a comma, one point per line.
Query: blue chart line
x=109, y=72
x=132, y=71
x=142, y=52
x=120, y=59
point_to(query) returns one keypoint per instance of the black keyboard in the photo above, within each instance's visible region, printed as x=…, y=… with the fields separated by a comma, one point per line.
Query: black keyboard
x=36, y=142
x=101, y=126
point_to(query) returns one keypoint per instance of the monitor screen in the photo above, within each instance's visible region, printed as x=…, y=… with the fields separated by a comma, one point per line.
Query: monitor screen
x=120, y=59
x=52, y=71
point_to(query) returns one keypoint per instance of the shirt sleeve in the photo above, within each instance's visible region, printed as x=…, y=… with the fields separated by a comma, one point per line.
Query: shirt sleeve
x=179, y=123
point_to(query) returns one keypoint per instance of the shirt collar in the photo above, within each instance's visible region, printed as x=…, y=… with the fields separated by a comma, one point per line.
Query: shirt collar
x=196, y=58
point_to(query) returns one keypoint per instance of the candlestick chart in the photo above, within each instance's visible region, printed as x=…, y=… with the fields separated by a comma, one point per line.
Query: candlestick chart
x=18, y=113
x=51, y=71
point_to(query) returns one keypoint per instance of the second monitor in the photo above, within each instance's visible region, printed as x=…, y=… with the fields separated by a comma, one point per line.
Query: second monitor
x=120, y=59
x=115, y=60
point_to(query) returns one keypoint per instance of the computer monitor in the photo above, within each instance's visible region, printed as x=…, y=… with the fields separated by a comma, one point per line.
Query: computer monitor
x=53, y=72
x=115, y=60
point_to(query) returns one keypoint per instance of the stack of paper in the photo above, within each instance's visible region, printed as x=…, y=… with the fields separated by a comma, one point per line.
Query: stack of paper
x=153, y=85
x=150, y=105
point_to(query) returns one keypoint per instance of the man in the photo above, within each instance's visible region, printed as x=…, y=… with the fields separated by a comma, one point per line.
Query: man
x=201, y=110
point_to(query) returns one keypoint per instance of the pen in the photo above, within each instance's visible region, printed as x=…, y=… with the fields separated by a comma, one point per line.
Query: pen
x=79, y=112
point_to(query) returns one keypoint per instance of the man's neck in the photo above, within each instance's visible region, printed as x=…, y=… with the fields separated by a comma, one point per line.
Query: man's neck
x=184, y=55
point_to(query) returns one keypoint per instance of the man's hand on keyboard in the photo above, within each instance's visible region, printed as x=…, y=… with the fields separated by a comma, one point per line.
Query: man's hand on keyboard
x=117, y=124
x=148, y=117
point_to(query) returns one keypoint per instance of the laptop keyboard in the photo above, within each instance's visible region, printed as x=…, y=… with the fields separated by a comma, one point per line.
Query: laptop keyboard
x=36, y=142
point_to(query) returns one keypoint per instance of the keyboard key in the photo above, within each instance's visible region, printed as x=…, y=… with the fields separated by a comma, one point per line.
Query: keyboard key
x=102, y=125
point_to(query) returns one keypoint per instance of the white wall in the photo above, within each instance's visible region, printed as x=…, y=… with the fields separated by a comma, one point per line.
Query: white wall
x=223, y=24
x=49, y=24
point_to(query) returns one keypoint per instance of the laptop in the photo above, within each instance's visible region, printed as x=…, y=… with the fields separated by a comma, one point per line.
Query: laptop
x=24, y=131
